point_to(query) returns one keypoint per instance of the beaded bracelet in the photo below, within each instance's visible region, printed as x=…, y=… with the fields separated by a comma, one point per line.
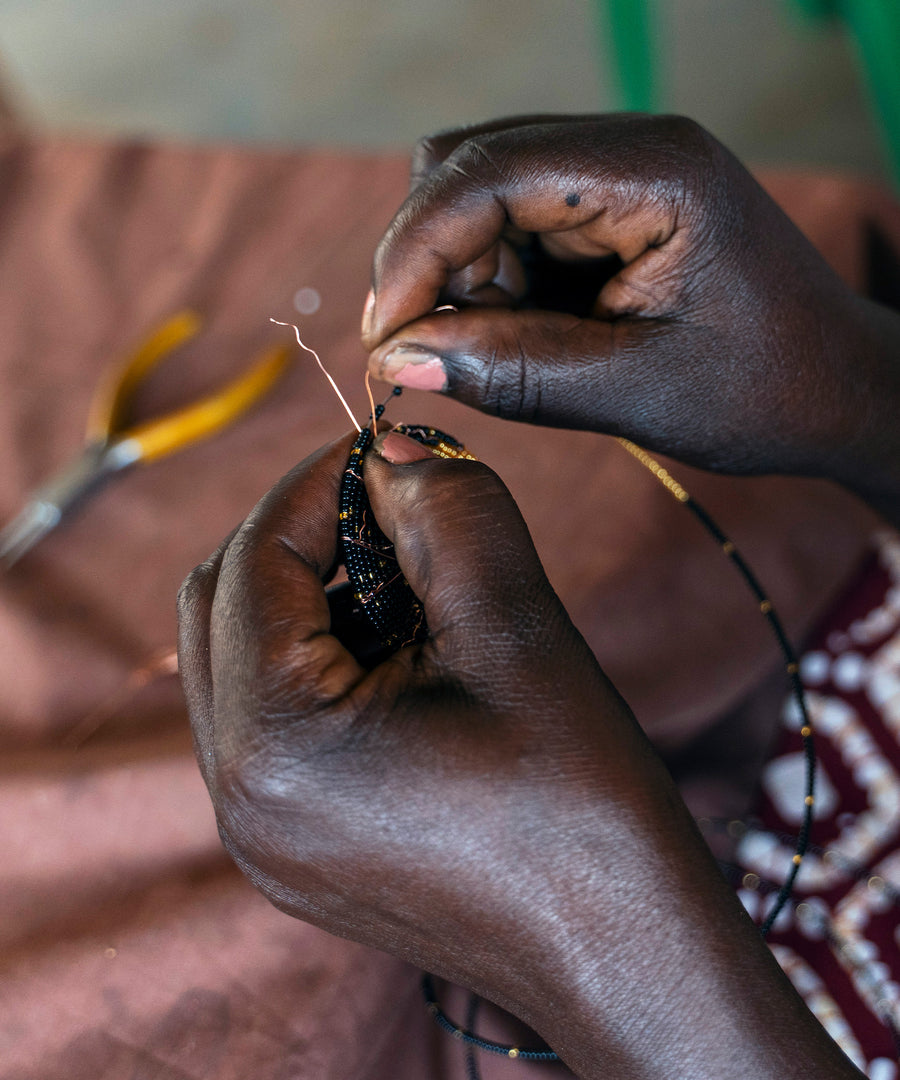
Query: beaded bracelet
x=379, y=585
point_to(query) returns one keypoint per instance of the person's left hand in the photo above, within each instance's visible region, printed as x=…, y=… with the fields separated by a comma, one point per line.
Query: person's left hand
x=398, y=806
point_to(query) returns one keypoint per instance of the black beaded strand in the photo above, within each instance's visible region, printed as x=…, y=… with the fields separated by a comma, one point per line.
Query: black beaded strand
x=792, y=668
x=472, y=1071
x=380, y=588
x=469, y=1037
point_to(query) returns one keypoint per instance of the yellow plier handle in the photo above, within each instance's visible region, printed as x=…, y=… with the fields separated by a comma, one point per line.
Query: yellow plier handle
x=201, y=419
x=112, y=446
x=205, y=417
x=118, y=384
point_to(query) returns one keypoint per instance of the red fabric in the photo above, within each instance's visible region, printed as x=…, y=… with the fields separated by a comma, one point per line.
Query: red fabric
x=838, y=940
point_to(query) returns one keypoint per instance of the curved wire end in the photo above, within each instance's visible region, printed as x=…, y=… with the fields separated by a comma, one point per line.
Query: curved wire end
x=334, y=385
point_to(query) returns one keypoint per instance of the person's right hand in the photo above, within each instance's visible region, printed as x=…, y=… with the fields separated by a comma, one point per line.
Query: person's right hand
x=482, y=804
x=626, y=274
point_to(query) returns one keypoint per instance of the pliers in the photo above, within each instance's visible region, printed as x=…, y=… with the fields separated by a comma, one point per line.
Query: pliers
x=111, y=444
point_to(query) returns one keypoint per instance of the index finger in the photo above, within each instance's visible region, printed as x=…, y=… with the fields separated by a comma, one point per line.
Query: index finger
x=432, y=150
x=271, y=651
x=609, y=185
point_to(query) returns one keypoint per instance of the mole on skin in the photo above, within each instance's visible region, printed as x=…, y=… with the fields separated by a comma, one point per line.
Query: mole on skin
x=573, y=198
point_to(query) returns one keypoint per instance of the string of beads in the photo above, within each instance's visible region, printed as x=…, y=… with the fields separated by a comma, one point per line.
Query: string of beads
x=791, y=666
x=469, y=1037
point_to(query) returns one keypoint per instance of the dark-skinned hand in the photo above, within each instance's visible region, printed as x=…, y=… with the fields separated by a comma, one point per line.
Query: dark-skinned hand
x=626, y=274
x=483, y=804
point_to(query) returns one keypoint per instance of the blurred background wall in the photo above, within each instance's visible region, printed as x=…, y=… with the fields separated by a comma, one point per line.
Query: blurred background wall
x=774, y=86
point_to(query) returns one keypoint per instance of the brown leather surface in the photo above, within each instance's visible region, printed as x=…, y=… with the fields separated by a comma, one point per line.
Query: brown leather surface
x=129, y=946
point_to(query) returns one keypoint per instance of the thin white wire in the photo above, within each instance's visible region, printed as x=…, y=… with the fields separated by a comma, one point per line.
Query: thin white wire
x=334, y=385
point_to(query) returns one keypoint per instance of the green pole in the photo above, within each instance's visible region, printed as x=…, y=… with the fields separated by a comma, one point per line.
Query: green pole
x=876, y=26
x=626, y=29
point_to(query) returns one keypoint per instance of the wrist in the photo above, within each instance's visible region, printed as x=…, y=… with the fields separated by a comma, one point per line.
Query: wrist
x=658, y=973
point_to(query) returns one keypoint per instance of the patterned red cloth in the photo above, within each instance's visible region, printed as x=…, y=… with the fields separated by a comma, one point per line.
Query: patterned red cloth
x=838, y=939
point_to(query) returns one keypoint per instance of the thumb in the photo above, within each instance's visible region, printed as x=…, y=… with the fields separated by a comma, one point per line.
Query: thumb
x=467, y=554
x=541, y=367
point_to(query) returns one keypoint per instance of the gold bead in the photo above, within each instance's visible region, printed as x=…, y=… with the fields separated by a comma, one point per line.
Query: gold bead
x=797, y=859
x=805, y=731
x=513, y=1053
x=765, y=607
x=728, y=547
x=809, y=801
x=792, y=668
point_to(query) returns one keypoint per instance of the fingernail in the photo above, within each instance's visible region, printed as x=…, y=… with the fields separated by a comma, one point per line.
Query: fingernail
x=368, y=314
x=400, y=449
x=415, y=368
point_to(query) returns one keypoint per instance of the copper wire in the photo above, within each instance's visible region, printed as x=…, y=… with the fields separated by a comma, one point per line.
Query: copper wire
x=334, y=385
x=372, y=417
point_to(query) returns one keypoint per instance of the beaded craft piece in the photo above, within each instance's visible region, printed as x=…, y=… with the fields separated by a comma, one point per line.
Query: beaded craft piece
x=380, y=589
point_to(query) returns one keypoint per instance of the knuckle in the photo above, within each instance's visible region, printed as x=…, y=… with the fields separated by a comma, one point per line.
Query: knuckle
x=690, y=142
x=198, y=581
x=246, y=784
x=511, y=386
x=203, y=578
x=276, y=808
x=678, y=124
x=680, y=130
x=255, y=796
x=426, y=156
x=476, y=158
x=432, y=150
x=240, y=809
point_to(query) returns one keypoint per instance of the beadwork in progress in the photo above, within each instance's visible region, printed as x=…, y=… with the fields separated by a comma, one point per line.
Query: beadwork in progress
x=378, y=584
x=381, y=595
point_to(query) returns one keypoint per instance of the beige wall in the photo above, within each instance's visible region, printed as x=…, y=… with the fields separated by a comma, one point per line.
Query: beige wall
x=371, y=72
